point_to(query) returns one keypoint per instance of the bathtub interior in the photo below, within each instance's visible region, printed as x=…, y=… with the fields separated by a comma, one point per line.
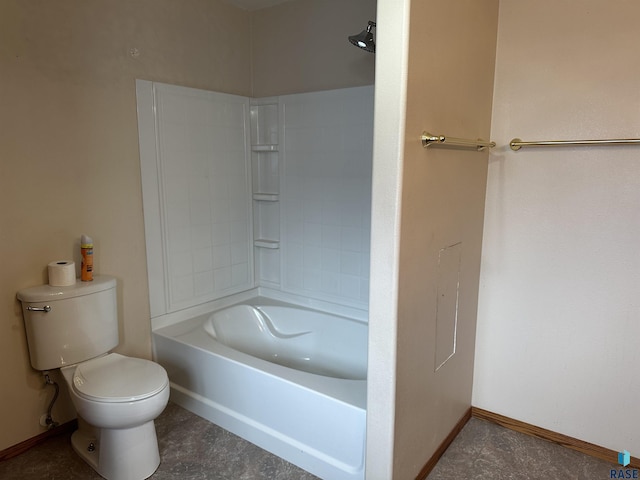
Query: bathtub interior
x=304, y=340
x=192, y=331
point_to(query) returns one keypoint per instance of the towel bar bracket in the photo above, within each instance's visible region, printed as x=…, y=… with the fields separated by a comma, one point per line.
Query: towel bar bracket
x=429, y=139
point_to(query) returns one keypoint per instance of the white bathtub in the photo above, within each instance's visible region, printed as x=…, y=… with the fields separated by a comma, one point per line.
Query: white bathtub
x=292, y=381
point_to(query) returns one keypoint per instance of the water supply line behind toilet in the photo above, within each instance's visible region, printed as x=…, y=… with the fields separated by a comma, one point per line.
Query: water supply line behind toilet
x=47, y=421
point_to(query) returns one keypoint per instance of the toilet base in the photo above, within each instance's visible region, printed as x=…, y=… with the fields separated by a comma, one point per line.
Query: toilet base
x=118, y=454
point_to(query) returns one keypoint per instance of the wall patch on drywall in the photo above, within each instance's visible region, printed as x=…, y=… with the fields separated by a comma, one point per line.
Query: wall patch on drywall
x=447, y=303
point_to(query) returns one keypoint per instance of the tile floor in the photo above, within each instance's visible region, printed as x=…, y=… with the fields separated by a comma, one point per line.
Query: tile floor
x=193, y=449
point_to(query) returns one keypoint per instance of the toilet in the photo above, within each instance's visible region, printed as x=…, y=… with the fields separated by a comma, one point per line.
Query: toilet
x=117, y=398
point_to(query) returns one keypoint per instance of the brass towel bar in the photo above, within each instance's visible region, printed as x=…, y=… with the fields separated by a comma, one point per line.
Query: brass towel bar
x=516, y=144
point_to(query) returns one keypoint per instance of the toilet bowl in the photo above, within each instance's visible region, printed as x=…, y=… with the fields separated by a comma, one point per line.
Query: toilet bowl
x=117, y=398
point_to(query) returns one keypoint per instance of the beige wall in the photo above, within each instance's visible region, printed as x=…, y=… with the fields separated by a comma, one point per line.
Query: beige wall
x=299, y=46
x=558, y=315
x=449, y=86
x=442, y=204
x=69, y=152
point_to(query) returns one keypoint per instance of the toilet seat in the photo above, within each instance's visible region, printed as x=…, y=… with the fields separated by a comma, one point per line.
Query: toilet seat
x=114, y=378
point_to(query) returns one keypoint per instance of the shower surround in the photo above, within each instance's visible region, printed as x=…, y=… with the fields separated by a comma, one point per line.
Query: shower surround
x=244, y=193
x=249, y=198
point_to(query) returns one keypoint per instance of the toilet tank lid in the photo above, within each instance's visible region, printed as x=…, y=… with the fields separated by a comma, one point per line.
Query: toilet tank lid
x=47, y=293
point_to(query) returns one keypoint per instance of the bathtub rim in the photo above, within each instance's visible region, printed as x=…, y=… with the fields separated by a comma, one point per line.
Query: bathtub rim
x=266, y=296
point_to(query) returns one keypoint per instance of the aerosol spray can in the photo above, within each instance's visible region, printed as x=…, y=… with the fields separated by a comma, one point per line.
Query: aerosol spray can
x=86, y=248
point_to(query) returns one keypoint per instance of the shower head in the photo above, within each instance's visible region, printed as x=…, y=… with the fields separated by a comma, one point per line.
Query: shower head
x=364, y=39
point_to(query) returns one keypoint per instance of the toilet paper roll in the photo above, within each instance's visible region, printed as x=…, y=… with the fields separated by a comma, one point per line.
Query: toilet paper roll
x=62, y=273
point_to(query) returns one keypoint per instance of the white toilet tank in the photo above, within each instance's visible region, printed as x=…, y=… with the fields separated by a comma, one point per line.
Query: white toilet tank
x=67, y=325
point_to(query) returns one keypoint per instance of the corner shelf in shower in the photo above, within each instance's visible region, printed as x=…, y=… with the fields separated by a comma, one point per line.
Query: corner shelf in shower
x=264, y=148
x=266, y=197
x=264, y=243
x=265, y=140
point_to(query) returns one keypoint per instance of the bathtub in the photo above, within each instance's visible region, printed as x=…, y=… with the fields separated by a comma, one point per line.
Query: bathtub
x=290, y=380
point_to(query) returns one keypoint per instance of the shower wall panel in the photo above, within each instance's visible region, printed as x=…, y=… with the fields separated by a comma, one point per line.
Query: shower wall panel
x=326, y=194
x=196, y=187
